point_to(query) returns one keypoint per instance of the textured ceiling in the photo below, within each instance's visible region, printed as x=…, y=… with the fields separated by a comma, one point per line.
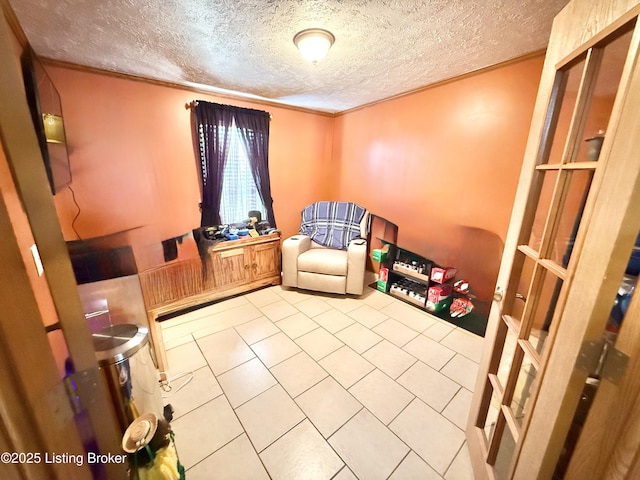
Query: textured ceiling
x=383, y=48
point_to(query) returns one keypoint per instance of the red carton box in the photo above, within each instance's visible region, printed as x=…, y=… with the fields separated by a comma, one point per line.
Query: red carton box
x=383, y=278
x=439, y=297
x=443, y=274
x=383, y=274
x=440, y=306
x=437, y=293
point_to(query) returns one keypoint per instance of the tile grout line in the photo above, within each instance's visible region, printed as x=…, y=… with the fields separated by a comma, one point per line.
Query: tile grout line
x=216, y=451
x=398, y=466
x=455, y=457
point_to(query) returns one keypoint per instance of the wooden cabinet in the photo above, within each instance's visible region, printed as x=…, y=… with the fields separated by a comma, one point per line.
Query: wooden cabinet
x=232, y=267
x=236, y=264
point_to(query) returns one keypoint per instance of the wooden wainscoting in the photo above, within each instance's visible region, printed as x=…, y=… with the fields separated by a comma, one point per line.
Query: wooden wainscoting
x=230, y=268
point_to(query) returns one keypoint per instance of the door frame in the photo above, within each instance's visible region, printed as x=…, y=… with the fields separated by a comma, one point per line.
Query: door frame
x=40, y=393
x=580, y=25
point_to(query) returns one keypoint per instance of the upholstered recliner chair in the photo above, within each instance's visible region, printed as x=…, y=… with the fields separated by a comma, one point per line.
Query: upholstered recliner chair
x=329, y=254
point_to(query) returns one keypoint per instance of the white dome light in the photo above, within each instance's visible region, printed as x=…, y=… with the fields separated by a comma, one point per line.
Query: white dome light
x=314, y=43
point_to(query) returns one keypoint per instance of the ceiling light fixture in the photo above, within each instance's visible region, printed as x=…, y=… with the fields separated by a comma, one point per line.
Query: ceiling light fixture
x=314, y=43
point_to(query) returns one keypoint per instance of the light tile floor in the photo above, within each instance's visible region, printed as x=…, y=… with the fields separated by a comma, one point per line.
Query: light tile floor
x=289, y=384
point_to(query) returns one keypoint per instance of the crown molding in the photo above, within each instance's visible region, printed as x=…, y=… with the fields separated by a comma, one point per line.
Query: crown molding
x=13, y=23
x=176, y=85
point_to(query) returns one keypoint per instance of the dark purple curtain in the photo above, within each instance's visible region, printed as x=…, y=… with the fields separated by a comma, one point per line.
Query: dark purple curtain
x=253, y=127
x=214, y=122
x=213, y=126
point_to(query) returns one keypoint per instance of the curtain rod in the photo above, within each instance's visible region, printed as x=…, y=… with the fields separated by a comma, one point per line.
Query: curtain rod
x=194, y=103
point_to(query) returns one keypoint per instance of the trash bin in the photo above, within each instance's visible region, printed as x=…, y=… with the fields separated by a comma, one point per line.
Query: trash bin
x=126, y=364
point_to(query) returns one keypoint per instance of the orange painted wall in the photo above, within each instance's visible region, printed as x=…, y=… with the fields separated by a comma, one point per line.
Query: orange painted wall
x=133, y=161
x=443, y=163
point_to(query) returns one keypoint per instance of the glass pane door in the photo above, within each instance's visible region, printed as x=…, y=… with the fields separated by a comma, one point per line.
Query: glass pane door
x=624, y=305
x=555, y=223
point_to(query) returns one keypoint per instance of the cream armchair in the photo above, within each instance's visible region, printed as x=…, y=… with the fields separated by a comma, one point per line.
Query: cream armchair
x=330, y=252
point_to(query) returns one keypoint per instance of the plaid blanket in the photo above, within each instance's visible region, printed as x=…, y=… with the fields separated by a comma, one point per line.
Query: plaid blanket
x=332, y=224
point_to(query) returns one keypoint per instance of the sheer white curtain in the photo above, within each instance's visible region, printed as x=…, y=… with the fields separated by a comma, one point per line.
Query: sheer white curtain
x=239, y=192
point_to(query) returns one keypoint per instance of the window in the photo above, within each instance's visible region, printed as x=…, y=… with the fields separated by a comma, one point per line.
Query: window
x=234, y=144
x=239, y=192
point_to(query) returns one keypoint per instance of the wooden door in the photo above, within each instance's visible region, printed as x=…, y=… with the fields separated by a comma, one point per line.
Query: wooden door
x=608, y=440
x=573, y=227
x=231, y=266
x=42, y=322
x=265, y=260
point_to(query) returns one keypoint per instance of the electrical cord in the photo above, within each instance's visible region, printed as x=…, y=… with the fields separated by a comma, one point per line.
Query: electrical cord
x=169, y=389
x=73, y=196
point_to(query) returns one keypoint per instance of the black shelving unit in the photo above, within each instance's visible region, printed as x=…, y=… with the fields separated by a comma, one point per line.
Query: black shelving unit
x=409, y=280
x=408, y=275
